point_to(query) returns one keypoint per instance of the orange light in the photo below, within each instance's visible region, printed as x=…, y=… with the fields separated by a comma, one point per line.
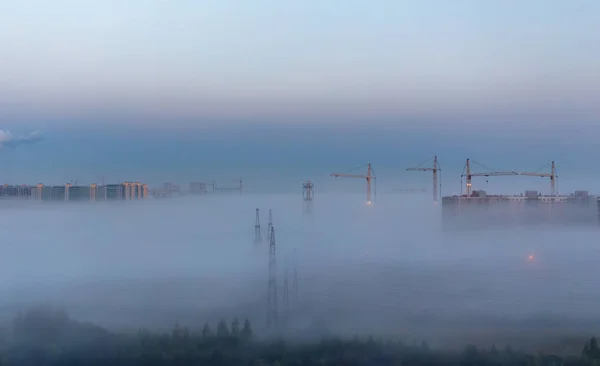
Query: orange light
x=368, y=202
x=530, y=257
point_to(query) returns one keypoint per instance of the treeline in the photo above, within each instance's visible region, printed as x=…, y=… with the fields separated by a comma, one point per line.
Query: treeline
x=44, y=336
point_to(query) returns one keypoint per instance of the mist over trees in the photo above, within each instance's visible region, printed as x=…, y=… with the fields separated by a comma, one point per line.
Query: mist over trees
x=48, y=336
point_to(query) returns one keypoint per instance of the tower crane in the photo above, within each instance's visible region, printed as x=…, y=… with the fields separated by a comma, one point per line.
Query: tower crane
x=213, y=185
x=369, y=177
x=239, y=181
x=469, y=175
x=552, y=175
x=435, y=169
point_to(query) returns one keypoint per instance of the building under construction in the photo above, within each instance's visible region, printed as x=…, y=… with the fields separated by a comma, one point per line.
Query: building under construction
x=66, y=193
x=478, y=209
x=483, y=210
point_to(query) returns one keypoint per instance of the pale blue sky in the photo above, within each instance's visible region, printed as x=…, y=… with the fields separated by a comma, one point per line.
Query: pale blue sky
x=138, y=89
x=197, y=63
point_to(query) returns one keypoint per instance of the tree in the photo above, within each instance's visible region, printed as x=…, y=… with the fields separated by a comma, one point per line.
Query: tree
x=247, y=330
x=586, y=349
x=593, y=345
x=471, y=356
x=235, y=328
x=222, y=330
x=176, y=333
x=41, y=324
x=494, y=350
x=590, y=349
x=206, y=332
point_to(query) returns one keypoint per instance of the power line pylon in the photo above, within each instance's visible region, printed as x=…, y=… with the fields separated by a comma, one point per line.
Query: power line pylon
x=270, y=226
x=308, y=196
x=257, y=237
x=295, y=279
x=272, y=302
x=286, y=302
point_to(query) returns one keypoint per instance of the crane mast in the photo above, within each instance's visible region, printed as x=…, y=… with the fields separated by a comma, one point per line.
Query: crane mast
x=551, y=175
x=469, y=175
x=434, y=171
x=239, y=181
x=369, y=177
x=468, y=180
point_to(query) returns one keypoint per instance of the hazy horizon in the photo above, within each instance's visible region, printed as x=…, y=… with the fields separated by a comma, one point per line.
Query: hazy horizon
x=277, y=160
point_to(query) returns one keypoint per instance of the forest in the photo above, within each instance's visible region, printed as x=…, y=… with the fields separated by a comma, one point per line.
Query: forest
x=48, y=336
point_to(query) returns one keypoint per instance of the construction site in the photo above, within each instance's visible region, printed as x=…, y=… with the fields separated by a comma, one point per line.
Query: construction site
x=477, y=208
x=472, y=207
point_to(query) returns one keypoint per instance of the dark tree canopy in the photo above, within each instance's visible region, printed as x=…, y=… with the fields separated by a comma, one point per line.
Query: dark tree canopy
x=222, y=330
x=206, y=332
x=47, y=336
x=235, y=328
x=247, y=330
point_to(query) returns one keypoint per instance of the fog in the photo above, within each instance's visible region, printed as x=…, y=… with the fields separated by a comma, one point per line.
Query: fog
x=387, y=269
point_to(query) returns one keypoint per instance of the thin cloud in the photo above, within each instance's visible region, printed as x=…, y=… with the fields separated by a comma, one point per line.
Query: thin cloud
x=10, y=140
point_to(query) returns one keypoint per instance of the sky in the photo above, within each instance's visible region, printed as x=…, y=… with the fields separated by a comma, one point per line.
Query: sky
x=481, y=77
x=204, y=62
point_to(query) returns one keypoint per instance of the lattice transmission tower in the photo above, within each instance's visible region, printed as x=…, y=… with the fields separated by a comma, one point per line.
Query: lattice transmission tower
x=286, y=299
x=295, y=279
x=270, y=226
x=308, y=194
x=272, y=301
x=257, y=237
